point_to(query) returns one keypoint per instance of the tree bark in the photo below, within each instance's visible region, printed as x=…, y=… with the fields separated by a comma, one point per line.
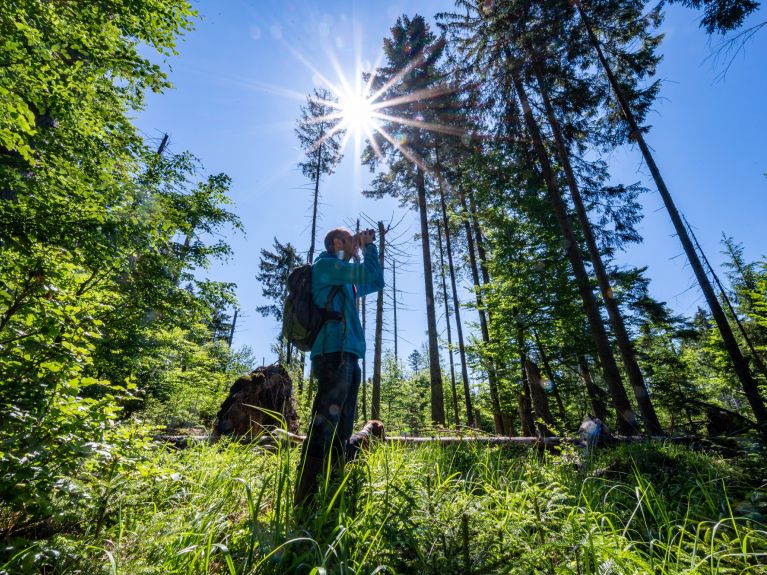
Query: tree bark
x=550, y=375
x=625, y=346
x=437, y=401
x=394, y=296
x=491, y=375
x=544, y=421
x=375, y=411
x=457, y=311
x=626, y=415
x=318, y=172
x=750, y=388
x=597, y=405
x=364, y=382
x=447, y=323
x=527, y=422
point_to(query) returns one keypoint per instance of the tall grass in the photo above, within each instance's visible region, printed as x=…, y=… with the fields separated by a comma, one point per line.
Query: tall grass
x=227, y=508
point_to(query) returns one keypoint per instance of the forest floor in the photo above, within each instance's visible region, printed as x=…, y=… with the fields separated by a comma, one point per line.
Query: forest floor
x=226, y=508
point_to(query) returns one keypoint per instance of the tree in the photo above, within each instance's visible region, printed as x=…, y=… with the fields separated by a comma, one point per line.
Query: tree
x=375, y=402
x=273, y=270
x=750, y=387
x=720, y=16
x=539, y=61
x=412, y=52
x=319, y=135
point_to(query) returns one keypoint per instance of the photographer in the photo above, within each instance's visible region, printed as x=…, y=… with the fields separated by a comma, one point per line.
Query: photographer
x=336, y=283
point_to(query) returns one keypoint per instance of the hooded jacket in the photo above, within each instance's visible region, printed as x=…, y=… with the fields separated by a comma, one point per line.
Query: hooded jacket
x=356, y=280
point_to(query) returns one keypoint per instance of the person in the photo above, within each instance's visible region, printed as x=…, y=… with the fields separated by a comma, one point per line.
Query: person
x=336, y=284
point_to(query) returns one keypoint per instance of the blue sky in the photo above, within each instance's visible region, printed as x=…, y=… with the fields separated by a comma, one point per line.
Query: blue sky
x=241, y=76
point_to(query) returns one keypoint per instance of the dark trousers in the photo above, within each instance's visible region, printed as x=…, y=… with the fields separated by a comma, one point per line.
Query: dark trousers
x=333, y=412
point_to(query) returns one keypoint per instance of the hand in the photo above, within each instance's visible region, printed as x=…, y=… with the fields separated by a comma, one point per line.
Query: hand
x=364, y=238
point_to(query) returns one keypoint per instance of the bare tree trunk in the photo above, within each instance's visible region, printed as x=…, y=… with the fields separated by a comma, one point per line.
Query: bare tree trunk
x=437, y=401
x=544, y=421
x=447, y=322
x=456, y=309
x=626, y=415
x=317, y=174
x=491, y=375
x=597, y=405
x=750, y=388
x=394, y=294
x=625, y=346
x=231, y=331
x=364, y=362
x=375, y=412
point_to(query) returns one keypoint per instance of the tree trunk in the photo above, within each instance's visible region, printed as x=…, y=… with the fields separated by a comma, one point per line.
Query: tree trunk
x=491, y=376
x=437, y=401
x=544, y=421
x=550, y=375
x=625, y=346
x=317, y=174
x=456, y=310
x=364, y=382
x=480, y=244
x=750, y=388
x=626, y=415
x=375, y=412
x=447, y=322
x=527, y=422
x=394, y=296
x=723, y=293
x=231, y=331
x=597, y=405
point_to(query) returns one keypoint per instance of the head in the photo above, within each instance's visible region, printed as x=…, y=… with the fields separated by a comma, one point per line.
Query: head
x=340, y=242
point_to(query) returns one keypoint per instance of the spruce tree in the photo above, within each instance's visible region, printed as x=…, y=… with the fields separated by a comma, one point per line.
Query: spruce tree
x=407, y=80
x=320, y=137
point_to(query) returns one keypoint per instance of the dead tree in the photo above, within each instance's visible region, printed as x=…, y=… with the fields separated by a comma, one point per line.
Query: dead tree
x=375, y=411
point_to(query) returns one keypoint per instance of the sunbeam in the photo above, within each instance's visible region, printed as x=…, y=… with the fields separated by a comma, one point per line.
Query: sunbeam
x=360, y=111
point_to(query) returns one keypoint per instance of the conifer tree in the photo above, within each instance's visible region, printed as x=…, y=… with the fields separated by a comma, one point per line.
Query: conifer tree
x=273, y=270
x=632, y=119
x=406, y=82
x=320, y=137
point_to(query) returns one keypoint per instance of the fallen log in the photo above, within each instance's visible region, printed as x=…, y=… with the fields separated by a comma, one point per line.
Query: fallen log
x=285, y=437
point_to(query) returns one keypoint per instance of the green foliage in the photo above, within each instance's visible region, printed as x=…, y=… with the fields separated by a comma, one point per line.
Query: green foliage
x=721, y=16
x=274, y=267
x=101, y=243
x=226, y=508
x=404, y=396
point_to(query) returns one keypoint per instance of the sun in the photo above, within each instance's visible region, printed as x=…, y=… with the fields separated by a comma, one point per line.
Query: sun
x=357, y=112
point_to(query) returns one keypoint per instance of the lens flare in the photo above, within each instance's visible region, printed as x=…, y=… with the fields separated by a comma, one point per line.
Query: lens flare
x=356, y=112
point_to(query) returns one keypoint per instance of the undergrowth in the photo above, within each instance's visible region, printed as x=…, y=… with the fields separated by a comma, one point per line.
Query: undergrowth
x=227, y=509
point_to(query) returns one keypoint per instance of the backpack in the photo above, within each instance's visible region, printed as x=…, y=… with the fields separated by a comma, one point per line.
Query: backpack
x=302, y=319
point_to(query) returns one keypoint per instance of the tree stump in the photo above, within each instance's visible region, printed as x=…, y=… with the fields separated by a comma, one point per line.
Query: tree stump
x=258, y=402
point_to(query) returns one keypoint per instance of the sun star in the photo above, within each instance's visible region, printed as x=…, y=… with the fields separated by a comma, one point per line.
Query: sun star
x=356, y=112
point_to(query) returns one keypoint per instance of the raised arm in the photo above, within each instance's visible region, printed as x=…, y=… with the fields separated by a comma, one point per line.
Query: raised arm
x=371, y=253
x=339, y=272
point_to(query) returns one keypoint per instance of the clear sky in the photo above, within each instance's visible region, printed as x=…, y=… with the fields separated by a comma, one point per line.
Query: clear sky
x=242, y=75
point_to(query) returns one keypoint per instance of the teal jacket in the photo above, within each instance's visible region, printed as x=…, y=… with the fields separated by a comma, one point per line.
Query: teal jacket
x=356, y=280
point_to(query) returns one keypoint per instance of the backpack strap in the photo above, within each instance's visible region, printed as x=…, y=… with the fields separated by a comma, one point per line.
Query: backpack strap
x=328, y=314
